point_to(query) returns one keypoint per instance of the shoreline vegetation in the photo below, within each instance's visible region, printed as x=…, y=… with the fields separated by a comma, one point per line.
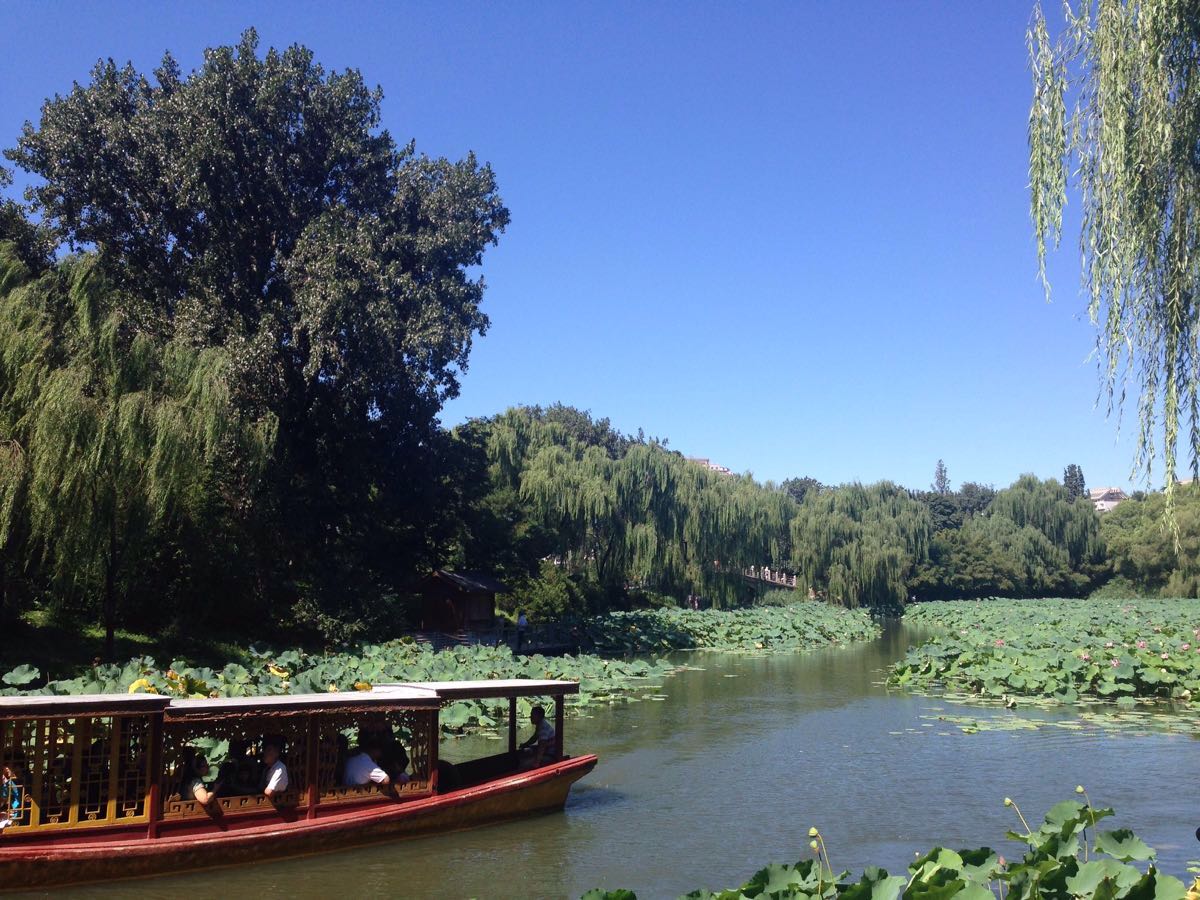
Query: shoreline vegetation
x=1063, y=650
x=624, y=665
x=1066, y=855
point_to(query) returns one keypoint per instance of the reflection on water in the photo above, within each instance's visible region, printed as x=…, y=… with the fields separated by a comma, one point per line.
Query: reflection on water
x=729, y=773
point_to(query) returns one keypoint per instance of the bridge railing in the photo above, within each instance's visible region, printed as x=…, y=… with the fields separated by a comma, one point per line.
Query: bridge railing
x=771, y=576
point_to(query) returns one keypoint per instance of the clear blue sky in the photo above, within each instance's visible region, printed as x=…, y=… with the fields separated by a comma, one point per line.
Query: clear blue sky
x=792, y=237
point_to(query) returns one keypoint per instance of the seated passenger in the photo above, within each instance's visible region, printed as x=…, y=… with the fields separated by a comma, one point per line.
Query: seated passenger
x=393, y=758
x=275, y=773
x=239, y=774
x=539, y=749
x=363, y=767
x=192, y=786
x=12, y=798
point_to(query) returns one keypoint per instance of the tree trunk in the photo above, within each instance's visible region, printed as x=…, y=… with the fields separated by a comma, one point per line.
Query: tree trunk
x=110, y=595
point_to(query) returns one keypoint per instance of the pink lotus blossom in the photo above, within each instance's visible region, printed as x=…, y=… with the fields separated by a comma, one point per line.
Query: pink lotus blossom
x=1166, y=656
x=1186, y=647
x=1115, y=662
x=1141, y=645
x=1085, y=655
x=999, y=642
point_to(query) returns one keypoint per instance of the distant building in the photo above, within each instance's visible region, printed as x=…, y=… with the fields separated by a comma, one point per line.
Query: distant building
x=1106, y=498
x=710, y=465
x=458, y=601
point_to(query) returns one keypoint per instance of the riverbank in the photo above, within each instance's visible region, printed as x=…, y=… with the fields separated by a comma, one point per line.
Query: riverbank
x=626, y=666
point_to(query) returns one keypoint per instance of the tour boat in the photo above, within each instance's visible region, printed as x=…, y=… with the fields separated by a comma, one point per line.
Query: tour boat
x=94, y=787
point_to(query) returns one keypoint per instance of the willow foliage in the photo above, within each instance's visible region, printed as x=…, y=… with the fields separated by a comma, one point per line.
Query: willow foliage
x=630, y=512
x=110, y=434
x=1116, y=114
x=1047, y=507
x=857, y=544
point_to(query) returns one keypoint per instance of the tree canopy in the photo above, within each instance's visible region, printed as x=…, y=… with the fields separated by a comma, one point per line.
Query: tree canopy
x=254, y=210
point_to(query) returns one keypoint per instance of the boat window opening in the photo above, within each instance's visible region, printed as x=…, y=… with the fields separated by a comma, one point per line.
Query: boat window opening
x=403, y=736
x=17, y=744
x=62, y=772
x=233, y=748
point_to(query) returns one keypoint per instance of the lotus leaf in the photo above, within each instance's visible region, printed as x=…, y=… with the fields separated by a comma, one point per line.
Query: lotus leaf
x=21, y=675
x=1123, y=844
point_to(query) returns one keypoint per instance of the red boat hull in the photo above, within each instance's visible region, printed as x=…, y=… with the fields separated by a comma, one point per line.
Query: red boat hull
x=46, y=864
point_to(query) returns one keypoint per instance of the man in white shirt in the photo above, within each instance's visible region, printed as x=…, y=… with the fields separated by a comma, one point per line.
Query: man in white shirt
x=363, y=767
x=275, y=774
x=541, y=741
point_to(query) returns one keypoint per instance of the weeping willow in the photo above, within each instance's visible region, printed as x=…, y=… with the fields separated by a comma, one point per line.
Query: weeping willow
x=1046, y=506
x=106, y=431
x=1116, y=116
x=857, y=544
x=642, y=517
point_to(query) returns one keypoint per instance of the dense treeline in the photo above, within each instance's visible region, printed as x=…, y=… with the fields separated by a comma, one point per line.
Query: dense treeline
x=582, y=518
x=1143, y=555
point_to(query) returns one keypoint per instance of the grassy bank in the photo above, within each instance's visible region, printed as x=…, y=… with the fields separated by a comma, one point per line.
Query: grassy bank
x=627, y=663
x=1120, y=650
x=1067, y=855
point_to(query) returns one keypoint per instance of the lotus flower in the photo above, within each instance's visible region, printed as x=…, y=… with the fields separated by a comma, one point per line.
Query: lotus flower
x=999, y=642
x=1109, y=645
x=1115, y=662
x=1166, y=656
x=1186, y=647
x=1141, y=645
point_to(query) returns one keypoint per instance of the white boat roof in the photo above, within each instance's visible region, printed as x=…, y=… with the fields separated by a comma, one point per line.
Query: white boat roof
x=489, y=687
x=382, y=697
x=38, y=705
x=410, y=695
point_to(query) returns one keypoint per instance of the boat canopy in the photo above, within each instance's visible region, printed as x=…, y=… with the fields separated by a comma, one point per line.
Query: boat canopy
x=43, y=706
x=381, y=699
x=488, y=688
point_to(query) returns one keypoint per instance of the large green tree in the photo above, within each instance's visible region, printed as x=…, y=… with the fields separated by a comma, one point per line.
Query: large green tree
x=113, y=441
x=1143, y=556
x=1116, y=118
x=858, y=544
x=1074, y=482
x=255, y=206
x=622, y=513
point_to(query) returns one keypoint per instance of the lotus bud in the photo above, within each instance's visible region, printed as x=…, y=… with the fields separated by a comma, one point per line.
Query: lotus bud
x=813, y=844
x=812, y=832
x=1079, y=788
x=1008, y=801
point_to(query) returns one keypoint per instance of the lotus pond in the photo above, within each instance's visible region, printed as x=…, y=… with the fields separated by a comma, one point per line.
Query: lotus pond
x=623, y=669
x=743, y=755
x=1062, y=650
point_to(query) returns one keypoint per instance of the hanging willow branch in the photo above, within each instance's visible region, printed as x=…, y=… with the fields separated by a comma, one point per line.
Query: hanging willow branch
x=1130, y=146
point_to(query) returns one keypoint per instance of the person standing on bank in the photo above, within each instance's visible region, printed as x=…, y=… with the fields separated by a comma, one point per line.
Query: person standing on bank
x=522, y=624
